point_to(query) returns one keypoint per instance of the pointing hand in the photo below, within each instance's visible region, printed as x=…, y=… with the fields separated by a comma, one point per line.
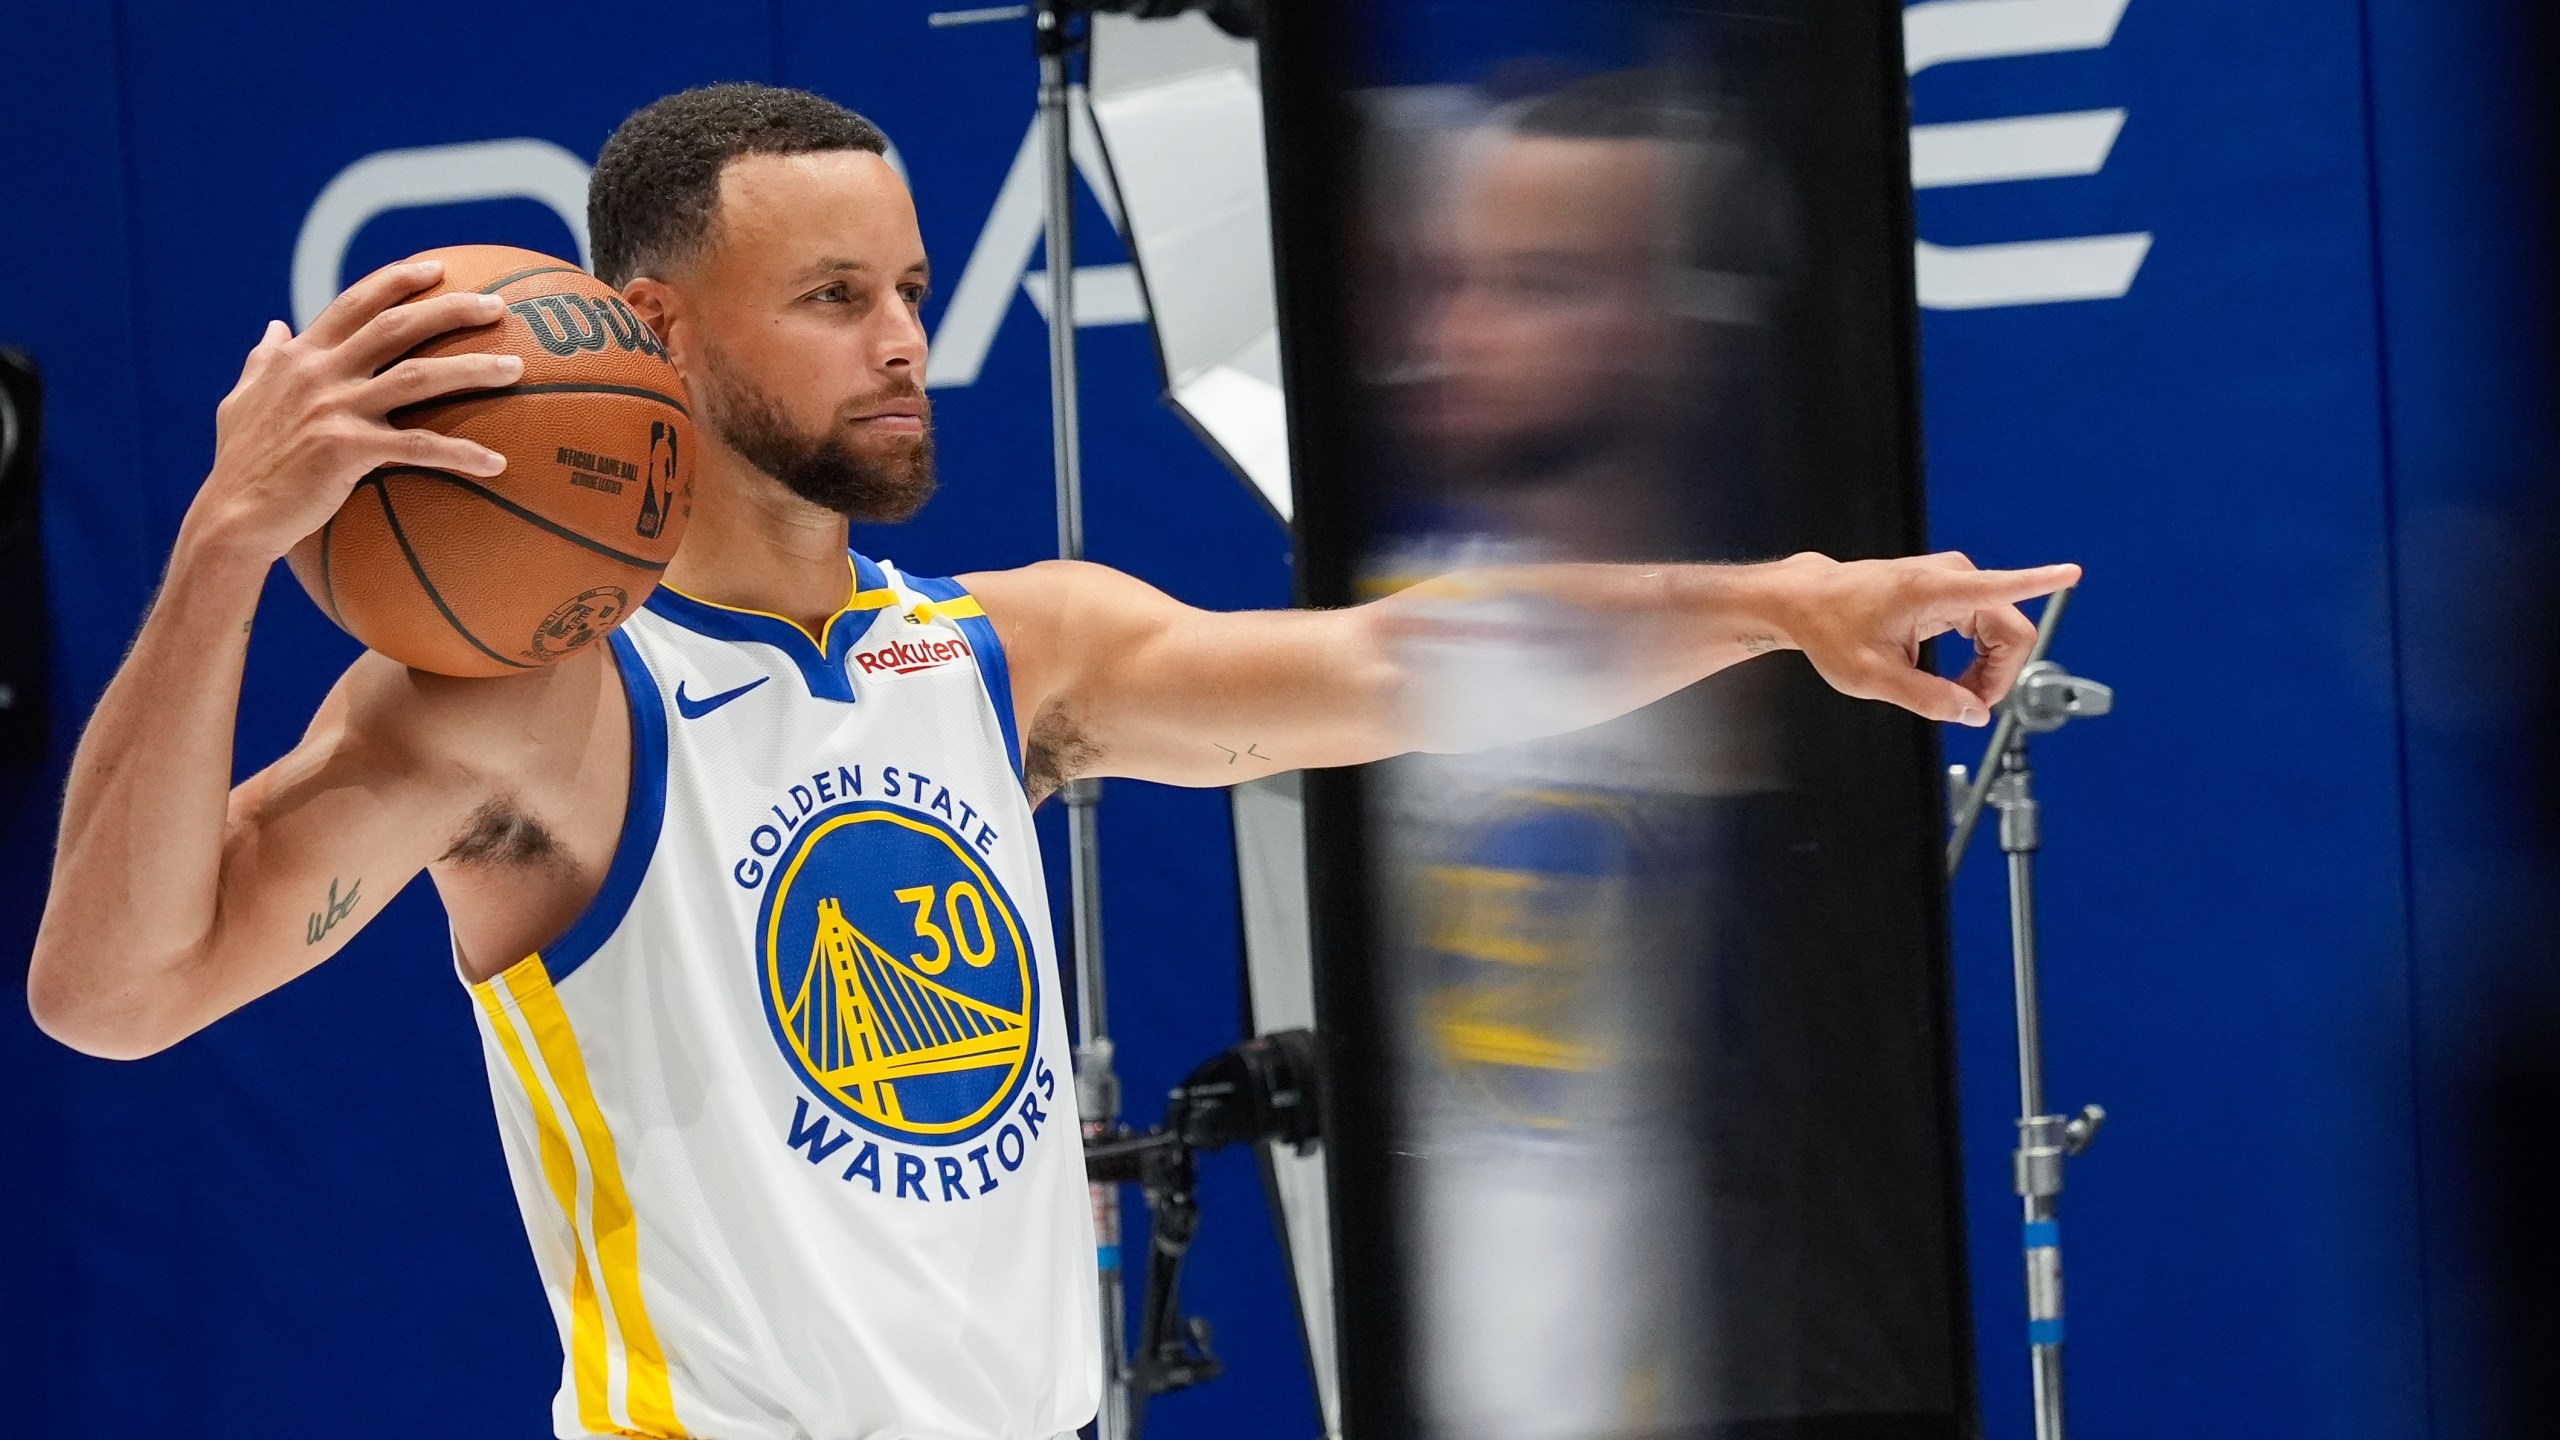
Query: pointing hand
x=1862, y=623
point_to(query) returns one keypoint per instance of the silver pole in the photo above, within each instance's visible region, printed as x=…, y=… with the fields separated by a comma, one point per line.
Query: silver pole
x=1097, y=1087
x=2022, y=816
x=1058, y=178
x=2042, y=1141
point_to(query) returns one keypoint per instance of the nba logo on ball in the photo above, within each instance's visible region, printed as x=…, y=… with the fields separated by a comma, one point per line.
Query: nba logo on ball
x=895, y=974
x=660, y=479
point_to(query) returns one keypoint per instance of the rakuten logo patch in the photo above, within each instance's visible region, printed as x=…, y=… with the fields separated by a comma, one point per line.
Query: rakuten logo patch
x=906, y=657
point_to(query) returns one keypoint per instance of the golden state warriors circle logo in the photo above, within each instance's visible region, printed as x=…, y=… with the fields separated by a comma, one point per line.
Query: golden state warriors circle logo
x=896, y=976
x=1525, y=930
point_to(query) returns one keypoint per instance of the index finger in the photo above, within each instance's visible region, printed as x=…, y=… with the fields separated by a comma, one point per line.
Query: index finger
x=369, y=297
x=2008, y=587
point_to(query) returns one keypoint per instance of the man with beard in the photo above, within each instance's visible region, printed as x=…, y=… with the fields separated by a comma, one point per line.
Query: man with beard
x=751, y=907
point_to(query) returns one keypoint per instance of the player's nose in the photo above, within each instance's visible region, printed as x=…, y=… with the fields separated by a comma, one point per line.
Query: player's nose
x=904, y=344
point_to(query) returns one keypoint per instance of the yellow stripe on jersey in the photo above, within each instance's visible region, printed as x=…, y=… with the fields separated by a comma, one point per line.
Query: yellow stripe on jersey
x=959, y=607
x=880, y=599
x=651, y=1405
x=586, y=1320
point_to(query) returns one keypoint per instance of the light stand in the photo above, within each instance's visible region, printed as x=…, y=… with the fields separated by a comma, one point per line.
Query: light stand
x=1056, y=39
x=1097, y=1083
x=2045, y=698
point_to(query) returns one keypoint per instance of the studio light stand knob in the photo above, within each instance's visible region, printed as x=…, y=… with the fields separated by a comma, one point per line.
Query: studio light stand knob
x=2077, y=1135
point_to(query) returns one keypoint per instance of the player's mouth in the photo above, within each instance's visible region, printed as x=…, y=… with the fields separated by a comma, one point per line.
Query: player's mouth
x=897, y=417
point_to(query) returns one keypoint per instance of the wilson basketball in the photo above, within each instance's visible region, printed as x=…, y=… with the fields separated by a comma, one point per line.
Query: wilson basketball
x=470, y=576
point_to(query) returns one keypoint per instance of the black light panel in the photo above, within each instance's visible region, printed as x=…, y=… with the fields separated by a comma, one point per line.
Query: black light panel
x=1643, y=1114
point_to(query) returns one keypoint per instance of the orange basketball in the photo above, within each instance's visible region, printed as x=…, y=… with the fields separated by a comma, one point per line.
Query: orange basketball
x=469, y=576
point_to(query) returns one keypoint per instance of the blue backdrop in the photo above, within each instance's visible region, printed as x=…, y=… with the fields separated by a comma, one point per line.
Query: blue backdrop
x=2304, y=458
x=2290, y=451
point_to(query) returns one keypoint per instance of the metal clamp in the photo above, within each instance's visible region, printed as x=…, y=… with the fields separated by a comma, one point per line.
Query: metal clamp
x=2044, y=1142
x=2048, y=696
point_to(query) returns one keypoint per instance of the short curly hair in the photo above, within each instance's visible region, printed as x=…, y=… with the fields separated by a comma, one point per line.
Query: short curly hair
x=656, y=187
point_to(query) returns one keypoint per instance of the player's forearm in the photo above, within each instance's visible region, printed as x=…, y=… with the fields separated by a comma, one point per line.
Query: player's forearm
x=1244, y=696
x=1643, y=632
x=137, y=871
x=1675, y=625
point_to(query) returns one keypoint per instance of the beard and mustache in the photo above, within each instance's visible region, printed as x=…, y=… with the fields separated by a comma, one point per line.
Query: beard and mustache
x=877, y=483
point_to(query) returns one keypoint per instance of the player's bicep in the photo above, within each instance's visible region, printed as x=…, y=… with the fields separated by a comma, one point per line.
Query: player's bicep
x=316, y=844
x=1113, y=677
x=1211, y=698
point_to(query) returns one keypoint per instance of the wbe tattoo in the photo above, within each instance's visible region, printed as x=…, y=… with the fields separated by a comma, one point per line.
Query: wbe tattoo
x=324, y=921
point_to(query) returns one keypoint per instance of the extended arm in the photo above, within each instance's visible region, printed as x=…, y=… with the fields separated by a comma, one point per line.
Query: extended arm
x=176, y=898
x=1114, y=678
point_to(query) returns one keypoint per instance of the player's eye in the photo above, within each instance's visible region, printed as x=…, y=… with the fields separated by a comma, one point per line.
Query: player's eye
x=915, y=294
x=833, y=295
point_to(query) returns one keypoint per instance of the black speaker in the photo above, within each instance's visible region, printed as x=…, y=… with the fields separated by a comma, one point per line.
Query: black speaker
x=24, y=633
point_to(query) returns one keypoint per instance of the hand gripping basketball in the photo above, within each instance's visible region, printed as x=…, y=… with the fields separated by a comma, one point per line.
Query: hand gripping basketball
x=477, y=461
x=311, y=414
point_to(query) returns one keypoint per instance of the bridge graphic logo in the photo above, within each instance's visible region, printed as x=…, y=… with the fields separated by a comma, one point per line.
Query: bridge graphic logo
x=896, y=976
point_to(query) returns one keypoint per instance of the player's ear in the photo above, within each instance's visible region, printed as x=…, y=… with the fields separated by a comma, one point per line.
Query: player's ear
x=661, y=306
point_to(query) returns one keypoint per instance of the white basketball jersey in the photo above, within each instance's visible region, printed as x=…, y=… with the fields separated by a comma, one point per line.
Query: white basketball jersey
x=789, y=1108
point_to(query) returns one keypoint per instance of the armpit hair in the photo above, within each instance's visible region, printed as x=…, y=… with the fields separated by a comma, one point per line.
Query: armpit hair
x=1056, y=751
x=499, y=833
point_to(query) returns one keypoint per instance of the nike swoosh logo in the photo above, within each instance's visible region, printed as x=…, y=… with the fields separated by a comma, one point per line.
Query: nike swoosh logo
x=693, y=709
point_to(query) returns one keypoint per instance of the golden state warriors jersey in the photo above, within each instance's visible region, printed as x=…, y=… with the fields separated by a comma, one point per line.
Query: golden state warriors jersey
x=789, y=1108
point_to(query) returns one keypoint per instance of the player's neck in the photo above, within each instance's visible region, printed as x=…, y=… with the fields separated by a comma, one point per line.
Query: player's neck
x=754, y=545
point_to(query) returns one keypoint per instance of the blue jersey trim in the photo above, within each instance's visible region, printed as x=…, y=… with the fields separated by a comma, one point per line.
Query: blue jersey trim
x=992, y=670
x=821, y=669
x=642, y=816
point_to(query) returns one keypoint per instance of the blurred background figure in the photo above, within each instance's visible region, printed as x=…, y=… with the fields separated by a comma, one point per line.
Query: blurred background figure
x=1590, y=273
x=1549, y=898
x=1566, y=353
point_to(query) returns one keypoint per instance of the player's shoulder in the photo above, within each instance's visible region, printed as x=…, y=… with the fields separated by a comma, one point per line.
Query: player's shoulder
x=1058, y=619
x=1059, y=591
x=490, y=728
x=1040, y=576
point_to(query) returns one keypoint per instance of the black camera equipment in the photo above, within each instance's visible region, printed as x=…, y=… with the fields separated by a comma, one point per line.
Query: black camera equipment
x=23, y=660
x=1265, y=1089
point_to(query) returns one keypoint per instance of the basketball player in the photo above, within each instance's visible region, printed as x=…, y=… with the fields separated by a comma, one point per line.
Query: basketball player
x=748, y=900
